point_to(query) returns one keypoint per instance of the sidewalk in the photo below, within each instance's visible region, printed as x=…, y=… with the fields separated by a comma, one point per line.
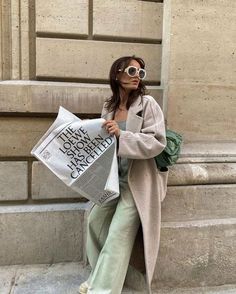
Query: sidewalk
x=65, y=278
x=61, y=278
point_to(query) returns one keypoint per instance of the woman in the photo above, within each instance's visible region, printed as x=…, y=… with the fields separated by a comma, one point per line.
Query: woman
x=138, y=124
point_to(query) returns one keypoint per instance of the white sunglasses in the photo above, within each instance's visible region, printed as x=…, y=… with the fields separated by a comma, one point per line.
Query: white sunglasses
x=132, y=71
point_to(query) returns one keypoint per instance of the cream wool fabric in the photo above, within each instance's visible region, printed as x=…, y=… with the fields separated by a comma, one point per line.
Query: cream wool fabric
x=143, y=139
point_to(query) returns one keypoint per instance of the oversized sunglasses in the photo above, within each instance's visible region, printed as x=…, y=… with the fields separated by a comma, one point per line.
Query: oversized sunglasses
x=132, y=71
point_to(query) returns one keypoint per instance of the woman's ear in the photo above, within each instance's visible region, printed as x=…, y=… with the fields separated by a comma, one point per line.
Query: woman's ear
x=118, y=76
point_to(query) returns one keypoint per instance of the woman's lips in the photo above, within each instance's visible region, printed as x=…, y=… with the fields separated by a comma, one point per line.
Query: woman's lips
x=135, y=81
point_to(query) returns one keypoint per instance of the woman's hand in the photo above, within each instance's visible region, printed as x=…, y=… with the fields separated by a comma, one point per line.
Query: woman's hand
x=112, y=127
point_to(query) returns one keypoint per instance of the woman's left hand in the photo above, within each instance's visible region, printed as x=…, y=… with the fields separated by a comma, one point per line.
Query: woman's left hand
x=112, y=127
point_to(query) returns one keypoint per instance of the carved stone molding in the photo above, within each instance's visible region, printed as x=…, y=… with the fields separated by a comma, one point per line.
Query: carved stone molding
x=5, y=39
x=17, y=39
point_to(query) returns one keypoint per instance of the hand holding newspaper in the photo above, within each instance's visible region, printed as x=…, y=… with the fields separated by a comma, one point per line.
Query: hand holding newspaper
x=82, y=154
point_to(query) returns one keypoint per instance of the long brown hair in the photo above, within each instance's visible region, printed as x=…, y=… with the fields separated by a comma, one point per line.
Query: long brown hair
x=120, y=64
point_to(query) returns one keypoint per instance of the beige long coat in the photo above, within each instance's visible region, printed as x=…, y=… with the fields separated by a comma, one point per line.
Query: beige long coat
x=143, y=139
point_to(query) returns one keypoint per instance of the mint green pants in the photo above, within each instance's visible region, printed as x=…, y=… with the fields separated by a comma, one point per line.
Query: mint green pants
x=110, y=237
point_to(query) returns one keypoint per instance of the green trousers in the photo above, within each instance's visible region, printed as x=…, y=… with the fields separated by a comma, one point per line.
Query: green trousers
x=110, y=237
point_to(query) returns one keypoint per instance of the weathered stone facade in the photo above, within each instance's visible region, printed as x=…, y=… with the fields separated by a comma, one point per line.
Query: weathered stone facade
x=56, y=53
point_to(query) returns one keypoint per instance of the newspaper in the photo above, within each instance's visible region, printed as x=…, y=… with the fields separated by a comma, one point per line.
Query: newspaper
x=82, y=154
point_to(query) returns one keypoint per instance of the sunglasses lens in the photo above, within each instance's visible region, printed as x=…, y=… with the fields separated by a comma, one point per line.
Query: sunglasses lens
x=142, y=73
x=132, y=71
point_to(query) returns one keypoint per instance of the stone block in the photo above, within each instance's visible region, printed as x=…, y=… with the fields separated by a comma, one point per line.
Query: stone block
x=198, y=202
x=202, y=112
x=83, y=59
x=202, y=173
x=15, y=41
x=197, y=253
x=18, y=135
x=45, y=185
x=202, y=50
x=47, y=233
x=60, y=278
x=13, y=180
x=208, y=152
x=131, y=19
x=200, y=69
x=1, y=52
x=58, y=16
x=5, y=36
x=27, y=39
x=46, y=97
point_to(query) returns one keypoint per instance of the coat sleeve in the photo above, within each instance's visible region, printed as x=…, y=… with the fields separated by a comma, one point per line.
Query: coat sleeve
x=151, y=139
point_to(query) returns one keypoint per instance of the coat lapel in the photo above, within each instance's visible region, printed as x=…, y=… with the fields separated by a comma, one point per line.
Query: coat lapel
x=134, y=120
x=108, y=115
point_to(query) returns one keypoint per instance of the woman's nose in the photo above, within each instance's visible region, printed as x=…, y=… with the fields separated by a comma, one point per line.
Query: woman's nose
x=137, y=74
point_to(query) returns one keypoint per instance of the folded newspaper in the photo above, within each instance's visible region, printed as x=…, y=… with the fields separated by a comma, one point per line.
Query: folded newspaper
x=82, y=154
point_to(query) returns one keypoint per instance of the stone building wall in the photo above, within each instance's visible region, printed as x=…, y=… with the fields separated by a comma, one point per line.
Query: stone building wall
x=202, y=68
x=59, y=53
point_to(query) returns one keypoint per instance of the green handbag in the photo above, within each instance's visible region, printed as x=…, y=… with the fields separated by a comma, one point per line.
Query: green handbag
x=171, y=152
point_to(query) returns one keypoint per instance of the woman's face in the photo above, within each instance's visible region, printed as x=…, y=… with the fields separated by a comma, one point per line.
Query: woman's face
x=129, y=83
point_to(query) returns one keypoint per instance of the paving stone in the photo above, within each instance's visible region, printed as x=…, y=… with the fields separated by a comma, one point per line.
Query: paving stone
x=65, y=278
x=7, y=278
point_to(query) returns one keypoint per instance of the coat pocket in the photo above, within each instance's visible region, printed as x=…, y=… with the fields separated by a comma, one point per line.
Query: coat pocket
x=162, y=179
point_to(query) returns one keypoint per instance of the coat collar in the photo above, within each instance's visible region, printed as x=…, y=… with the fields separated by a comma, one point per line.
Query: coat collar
x=134, y=118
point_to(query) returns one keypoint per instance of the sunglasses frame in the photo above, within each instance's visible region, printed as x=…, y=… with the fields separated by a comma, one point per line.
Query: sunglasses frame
x=126, y=70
